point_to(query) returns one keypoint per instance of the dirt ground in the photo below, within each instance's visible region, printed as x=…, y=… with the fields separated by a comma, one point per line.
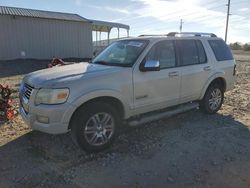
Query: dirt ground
x=188, y=150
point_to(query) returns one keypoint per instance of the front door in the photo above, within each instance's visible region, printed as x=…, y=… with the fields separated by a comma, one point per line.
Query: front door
x=158, y=89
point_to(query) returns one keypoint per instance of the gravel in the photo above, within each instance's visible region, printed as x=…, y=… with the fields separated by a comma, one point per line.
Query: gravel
x=187, y=150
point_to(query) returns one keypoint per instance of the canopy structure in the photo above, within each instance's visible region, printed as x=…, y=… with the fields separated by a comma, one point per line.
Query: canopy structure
x=103, y=26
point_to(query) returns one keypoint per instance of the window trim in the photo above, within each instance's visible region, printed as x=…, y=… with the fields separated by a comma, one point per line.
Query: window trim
x=181, y=56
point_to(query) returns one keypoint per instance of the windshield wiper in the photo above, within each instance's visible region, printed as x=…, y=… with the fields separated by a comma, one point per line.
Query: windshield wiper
x=100, y=62
x=111, y=64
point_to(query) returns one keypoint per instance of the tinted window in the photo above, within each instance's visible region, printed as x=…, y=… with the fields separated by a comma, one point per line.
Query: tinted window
x=192, y=52
x=221, y=50
x=189, y=53
x=164, y=52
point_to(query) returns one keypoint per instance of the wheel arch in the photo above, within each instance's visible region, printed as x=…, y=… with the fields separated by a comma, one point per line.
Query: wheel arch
x=215, y=79
x=116, y=102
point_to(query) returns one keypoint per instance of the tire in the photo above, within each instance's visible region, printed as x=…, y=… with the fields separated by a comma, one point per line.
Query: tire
x=212, y=99
x=95, y=126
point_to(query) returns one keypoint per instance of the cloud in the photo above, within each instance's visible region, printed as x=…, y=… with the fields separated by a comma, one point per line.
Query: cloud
x=123, y=11
x=195, y=16
x=111, y=9
x=174, y=11
x=243, y=9
x=78, y=2
x=162, y=16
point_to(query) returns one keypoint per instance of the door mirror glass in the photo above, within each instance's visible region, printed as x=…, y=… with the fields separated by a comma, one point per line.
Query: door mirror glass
x=150, y=65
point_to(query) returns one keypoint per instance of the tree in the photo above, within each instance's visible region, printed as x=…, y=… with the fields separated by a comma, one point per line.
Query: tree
x=246, y=47
x=236, y=46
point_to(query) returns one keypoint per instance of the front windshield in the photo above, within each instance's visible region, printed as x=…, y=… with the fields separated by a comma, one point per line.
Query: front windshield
x=121, y=53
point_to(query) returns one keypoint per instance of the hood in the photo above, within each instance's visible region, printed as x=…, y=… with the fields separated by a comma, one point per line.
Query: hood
x=67, y=72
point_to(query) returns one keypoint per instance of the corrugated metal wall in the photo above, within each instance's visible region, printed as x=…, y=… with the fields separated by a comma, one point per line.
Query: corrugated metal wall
x=24, y=37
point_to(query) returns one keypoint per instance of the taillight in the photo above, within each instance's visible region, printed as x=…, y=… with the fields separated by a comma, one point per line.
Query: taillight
x=234, y=73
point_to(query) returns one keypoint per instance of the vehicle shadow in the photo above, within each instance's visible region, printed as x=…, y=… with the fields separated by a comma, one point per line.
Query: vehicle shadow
x=37, y=159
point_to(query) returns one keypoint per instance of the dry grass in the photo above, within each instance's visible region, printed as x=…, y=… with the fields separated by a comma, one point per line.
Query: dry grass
x=241, y=52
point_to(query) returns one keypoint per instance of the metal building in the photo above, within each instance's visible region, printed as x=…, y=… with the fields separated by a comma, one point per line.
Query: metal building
x=27, y=33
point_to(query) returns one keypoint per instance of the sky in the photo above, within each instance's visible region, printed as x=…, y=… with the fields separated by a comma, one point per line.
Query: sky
x=156, y=16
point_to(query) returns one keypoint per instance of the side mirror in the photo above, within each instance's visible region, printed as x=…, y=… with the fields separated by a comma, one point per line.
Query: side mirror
x=150, y=65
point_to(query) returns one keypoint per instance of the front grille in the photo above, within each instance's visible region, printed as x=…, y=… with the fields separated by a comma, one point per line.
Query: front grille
x=27, y=91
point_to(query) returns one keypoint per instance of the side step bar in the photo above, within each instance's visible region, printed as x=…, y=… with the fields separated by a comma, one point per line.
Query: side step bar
x=163, y=114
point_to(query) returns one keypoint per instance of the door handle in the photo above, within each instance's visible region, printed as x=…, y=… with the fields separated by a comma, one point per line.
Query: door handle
x=172, y=74
x=207, y=68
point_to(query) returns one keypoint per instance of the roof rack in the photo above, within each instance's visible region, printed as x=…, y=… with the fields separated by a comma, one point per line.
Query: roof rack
x=153, y=35
x=174, y=34
x=196, y=34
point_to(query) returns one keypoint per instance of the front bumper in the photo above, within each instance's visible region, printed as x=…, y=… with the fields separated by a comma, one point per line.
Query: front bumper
x=58, y=115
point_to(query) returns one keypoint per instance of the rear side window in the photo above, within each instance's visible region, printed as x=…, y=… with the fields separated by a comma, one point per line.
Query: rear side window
x=192, y=52
x=221, y=50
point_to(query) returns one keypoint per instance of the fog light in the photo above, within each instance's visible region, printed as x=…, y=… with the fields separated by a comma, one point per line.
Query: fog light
x=42, y=119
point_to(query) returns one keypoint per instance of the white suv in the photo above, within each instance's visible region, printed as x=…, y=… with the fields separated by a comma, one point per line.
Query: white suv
x=135, y=80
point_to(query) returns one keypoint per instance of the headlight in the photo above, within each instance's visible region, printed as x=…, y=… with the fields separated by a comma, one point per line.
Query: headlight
x=52, y=96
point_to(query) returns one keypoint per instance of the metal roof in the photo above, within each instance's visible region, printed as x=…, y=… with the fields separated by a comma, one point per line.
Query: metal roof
x=96, y=24
x=40, y=14
x=106, y=26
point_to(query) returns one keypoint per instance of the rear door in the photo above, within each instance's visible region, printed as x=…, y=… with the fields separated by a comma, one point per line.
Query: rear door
x=195, y=68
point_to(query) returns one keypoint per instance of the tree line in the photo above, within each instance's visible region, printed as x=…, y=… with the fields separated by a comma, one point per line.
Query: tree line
x=240, y=46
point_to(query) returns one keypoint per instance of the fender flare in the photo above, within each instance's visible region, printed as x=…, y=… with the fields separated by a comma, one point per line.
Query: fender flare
x=102, y=93
x=209, y=81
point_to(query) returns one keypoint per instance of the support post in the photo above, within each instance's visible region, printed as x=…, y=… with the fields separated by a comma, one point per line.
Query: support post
x=96, y=38
x=108, y=36
x=100, y=38
x=118, y=32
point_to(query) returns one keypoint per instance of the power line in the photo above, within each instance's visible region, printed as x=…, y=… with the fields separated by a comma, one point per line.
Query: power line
x=155, y=23
x=172, y=14
x=240, y=2
x=189, y=14
x=183, y=15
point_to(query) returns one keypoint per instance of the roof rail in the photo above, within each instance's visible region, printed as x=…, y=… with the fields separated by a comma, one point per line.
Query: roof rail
x=153, y=35
x=196, y=34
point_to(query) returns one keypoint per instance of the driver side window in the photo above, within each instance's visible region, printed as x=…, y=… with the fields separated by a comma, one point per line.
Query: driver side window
x=164, y=52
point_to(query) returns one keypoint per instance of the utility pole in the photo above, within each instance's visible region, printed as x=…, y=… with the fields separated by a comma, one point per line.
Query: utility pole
x=228, y=14
x=181, y=22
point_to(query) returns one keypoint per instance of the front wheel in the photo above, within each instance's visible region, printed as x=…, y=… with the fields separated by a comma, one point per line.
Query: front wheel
x=212, y=99
x=94, y=126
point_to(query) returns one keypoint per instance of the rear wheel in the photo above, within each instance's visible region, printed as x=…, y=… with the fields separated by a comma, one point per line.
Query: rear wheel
x=212, y=99
x=94, y=126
